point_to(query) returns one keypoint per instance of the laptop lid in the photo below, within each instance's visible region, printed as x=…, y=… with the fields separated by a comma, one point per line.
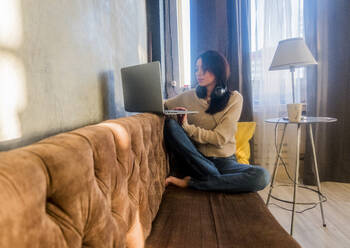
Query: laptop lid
x=142, y=88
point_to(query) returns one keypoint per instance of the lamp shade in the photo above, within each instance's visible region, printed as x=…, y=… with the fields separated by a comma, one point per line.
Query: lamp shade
x=292, y=53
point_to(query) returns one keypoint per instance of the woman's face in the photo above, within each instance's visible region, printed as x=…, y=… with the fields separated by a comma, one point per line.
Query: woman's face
x=206, y=78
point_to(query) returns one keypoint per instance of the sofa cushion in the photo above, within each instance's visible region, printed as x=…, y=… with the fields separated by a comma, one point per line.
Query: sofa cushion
x=245, y=131
x=97, y=186
x=191, y=218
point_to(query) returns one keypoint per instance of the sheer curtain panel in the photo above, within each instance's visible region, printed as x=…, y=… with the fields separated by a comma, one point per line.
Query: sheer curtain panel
x=272, y=21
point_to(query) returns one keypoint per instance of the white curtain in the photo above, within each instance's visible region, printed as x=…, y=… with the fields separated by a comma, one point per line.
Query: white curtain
x=272, y=21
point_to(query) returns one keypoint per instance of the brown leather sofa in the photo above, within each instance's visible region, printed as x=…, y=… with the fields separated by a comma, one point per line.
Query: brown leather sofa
x=103, y=186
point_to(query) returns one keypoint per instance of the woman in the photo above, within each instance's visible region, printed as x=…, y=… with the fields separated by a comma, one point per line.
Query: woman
x=204, y=143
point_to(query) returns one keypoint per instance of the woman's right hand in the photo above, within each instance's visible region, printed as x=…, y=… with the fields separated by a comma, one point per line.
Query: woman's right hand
x=181, y=118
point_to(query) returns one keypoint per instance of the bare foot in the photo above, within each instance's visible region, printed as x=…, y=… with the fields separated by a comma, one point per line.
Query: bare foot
x=182, y=183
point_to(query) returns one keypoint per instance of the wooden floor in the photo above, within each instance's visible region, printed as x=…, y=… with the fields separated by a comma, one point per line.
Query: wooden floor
x=308, y=229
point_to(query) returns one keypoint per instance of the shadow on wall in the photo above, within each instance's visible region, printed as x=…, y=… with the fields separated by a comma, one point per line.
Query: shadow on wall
x=111, y=110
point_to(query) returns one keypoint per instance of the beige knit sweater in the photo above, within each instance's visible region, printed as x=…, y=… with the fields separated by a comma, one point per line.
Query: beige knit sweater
x=214, y=135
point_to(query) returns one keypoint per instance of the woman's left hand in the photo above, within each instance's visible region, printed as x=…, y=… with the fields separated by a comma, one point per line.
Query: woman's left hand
x=181, y=118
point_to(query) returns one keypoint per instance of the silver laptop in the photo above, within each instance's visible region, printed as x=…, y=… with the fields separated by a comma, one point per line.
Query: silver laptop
x=142, y=89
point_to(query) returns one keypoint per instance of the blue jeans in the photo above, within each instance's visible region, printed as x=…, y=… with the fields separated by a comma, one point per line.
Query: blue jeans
x=212, y=173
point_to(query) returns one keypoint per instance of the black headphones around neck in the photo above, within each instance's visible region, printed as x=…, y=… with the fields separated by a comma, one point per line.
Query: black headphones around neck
x=218, y=92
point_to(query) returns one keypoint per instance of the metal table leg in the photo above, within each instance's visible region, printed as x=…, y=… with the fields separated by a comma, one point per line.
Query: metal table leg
x=276, y=164
x=316, y=172
x=295, y=179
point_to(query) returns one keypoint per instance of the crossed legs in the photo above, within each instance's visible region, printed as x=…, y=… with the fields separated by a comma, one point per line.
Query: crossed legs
x=212, y=174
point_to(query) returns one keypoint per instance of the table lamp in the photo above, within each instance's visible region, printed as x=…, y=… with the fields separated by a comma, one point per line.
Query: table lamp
x=291, y=54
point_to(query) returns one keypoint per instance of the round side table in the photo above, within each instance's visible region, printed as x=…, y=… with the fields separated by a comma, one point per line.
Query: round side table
x=308, y=121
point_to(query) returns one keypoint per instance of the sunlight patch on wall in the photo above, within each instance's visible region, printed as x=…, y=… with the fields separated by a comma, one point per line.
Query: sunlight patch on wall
x=10, y=24
x=12, y=73
x=12, y=96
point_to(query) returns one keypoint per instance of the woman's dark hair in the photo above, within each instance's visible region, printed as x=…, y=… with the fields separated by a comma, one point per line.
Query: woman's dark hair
x=215, y=63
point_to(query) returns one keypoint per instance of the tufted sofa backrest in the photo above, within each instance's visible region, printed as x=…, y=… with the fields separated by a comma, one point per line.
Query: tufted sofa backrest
x=97, y=186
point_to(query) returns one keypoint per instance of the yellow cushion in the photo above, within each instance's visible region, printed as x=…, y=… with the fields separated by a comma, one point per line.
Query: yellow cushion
x=245, y=131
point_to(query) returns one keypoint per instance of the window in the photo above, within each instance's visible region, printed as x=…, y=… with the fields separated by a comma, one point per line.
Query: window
x=272, y=21
x=184, y=42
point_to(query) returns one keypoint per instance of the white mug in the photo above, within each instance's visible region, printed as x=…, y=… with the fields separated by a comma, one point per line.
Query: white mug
x=294, y=112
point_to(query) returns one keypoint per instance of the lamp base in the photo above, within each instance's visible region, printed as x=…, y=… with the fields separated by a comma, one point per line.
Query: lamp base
x=303, y=117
